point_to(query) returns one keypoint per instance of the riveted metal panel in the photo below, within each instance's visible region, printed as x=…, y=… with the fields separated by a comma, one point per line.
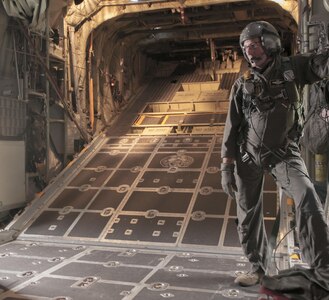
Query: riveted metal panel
x=188, y=139
x=123, y=177
x=211, y=203
x=107, y=199
x=180, y=159
x=108, y=160
x=126, y=256
x=205, y=118
x=157, y=131
x=52, y=223
x=147, y=200
x=171, y=178
x=145, y=229
x=68, y=289
x=196, y=228
x=143, y=148
x=189, y=279
x=82, y=228
x=212, y=178
x=40, y=250
x=8, y=280
x=103, y=272
x=122, y=141
x=94, y=178
x=214, y=130
x=115, y=272
x=133, y=160
x=177, y=294
x=73, y=197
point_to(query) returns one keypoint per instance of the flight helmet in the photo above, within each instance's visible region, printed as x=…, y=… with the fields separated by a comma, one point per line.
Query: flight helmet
x=268, y=35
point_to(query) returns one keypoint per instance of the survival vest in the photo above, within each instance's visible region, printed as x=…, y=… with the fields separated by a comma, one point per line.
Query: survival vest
x=263, y=95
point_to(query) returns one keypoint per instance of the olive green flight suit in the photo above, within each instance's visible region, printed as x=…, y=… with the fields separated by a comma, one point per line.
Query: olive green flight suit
x=261, y=133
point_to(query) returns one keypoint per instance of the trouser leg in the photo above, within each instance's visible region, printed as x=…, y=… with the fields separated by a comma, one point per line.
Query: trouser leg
x=311, y=225
x=249, y=199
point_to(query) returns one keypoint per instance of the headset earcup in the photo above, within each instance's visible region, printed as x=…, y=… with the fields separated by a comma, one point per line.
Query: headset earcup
x=271, y=43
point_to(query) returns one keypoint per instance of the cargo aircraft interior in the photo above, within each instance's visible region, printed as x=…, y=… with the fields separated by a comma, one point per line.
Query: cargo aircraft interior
x=112, y=117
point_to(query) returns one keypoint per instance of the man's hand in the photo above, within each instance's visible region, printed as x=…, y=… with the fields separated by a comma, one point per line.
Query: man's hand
x=228, y=180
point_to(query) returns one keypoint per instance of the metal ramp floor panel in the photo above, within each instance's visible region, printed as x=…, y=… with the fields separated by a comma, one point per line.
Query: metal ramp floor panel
x=41, y=270
x=135, y=216
x=163, y=196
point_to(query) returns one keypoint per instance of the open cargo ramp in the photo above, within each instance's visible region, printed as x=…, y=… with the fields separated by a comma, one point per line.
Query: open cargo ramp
x=140, y=214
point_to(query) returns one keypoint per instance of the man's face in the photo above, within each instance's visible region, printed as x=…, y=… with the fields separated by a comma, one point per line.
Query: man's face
x=256, y=53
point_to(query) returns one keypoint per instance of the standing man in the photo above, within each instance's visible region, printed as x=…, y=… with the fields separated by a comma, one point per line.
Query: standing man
x=262, y=129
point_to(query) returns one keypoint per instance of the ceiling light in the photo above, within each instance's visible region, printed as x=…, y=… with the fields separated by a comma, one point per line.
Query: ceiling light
x=279, y=1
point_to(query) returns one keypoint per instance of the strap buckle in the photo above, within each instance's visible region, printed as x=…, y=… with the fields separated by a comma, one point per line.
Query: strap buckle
x=245, y=157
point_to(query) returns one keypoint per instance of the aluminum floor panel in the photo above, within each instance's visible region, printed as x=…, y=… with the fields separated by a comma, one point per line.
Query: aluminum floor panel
x=58, y=271
x=165, y=197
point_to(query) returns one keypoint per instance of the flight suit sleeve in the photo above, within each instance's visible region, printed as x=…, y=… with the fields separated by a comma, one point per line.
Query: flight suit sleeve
x=320, y=64
x=311, y=68
x=233, y=122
